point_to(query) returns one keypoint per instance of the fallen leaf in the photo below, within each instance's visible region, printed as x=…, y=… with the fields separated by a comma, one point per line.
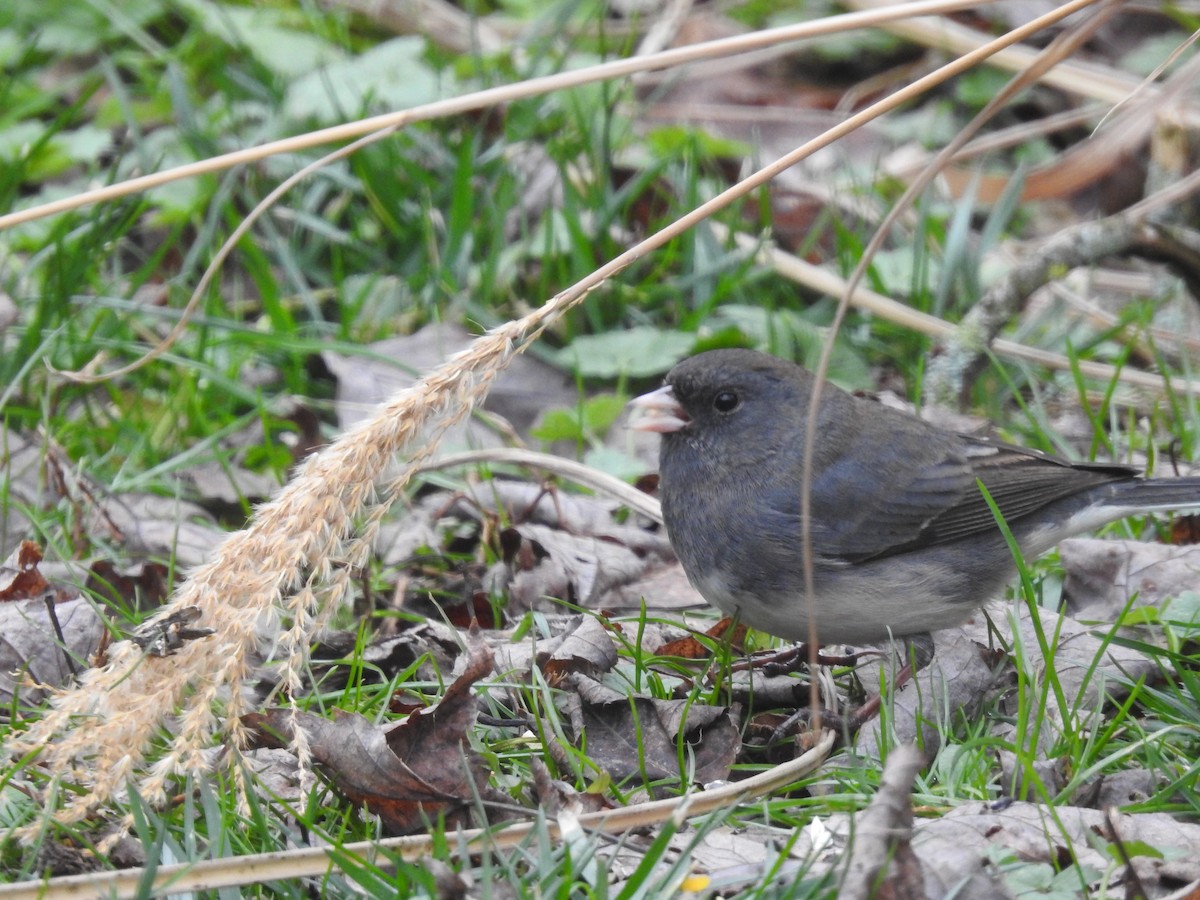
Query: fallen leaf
x=22, y=470
x=45, y=641
x=692, y=648
x=408, y=775
x=1185, y=530
x=158, y=527
x=19, y=575
x=632, y=737
x=48, y=633
x=586, y=647
x=581, y=569
x=1103, y=575
x=431, y=646
x=958, y=844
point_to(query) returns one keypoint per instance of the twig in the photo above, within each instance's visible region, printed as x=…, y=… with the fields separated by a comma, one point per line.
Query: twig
x=950, y=374
x=826, y=282
x=575, y=471
x=1084, y=79
x=880, y=849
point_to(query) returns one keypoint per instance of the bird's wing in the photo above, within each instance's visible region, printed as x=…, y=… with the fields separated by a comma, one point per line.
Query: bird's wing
x=1020, y=481
x=931, y=495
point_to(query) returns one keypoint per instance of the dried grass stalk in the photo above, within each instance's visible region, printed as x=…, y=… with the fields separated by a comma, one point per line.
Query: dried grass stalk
x=294, y=562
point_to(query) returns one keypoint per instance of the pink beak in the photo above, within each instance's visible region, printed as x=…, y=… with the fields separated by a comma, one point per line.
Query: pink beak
x=658, y=411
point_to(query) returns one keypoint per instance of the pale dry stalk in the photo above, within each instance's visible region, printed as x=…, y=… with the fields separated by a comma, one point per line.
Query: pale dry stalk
x=294, y=559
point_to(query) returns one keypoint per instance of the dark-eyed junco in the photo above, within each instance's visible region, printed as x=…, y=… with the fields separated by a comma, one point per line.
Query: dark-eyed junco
x=902, y=538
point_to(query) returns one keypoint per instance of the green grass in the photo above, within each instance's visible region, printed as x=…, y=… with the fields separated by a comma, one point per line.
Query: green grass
x=440, y=222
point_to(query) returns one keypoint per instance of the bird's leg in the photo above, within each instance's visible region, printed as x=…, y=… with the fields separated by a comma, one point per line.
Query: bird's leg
x=918, y=650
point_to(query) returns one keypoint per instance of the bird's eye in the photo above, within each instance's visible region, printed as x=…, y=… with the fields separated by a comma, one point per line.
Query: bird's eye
x=726, y=401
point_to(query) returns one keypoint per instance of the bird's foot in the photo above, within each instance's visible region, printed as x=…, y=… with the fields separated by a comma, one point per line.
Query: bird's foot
x=809, y=719
x=788, y=660
x=846, y=724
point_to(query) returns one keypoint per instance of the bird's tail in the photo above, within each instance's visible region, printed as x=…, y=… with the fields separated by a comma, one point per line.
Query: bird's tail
x=1155, y=494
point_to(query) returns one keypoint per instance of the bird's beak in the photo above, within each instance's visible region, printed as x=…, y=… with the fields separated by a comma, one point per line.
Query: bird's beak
x=657, y=411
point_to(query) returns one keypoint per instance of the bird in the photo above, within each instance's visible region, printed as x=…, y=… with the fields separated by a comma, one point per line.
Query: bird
x=903, y=541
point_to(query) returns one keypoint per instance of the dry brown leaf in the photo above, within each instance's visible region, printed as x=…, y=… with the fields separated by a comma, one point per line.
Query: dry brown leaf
x=409, y=774
x=47, y=632
x=19, y=575
x=957, y=843
x=587, y=647
x=689, y=647
x=149, y=525
x=966, y=670
x=582, y=569
x=1103, y=575
x=632, y=736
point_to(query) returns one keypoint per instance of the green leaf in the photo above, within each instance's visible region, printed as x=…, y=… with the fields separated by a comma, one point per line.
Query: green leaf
x=615, y=462
x=601, y=411
x=1183, y=611
x=580, y=423
x=285, y=51
x=1131, y=849
x=11, y=48
x=898, y=271
x=558, y=425
x=636, y=353
x=669, y=141
x=16, y=140
x=393, y=75
x=84, y=144
x=46, y=158
x=978, y=86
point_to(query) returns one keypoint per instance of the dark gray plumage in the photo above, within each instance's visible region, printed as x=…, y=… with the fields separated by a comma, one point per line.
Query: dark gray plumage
x=903, y=540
